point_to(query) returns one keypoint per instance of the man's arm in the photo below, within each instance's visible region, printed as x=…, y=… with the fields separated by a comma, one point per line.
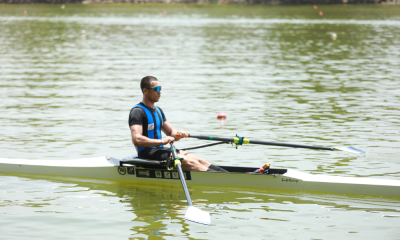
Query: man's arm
x=170, y=131
x=142, y=141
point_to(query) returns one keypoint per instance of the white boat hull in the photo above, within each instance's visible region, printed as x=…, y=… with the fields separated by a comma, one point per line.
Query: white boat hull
x=102, y=168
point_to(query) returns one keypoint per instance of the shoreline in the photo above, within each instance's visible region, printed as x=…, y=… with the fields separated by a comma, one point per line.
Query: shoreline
x=202, y=2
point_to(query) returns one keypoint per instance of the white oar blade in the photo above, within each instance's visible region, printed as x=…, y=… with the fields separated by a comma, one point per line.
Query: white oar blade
x=198, y=216
x=350, y=149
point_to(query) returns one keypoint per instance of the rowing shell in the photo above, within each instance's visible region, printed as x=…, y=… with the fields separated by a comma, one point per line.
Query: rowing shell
x=134, y=169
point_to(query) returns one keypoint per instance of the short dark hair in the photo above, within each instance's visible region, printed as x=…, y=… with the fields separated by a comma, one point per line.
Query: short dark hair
x=146, y=82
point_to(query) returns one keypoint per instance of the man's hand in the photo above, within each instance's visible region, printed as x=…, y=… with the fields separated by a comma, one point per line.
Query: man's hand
x=181, y=134
x=167, y=140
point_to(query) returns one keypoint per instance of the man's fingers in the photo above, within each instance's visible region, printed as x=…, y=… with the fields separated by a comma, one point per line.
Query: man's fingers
x=181, y=134
x=168, y=140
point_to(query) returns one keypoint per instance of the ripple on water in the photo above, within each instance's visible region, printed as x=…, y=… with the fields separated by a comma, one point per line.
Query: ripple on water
x=278, y=76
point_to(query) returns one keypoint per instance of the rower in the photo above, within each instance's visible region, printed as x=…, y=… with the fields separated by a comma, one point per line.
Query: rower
x=146, y=121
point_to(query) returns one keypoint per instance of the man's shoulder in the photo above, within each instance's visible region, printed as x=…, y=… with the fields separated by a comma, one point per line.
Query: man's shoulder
x=136, y=110
x=137, y=107
x=137, y=116
x=141, y=106
x=140, y=109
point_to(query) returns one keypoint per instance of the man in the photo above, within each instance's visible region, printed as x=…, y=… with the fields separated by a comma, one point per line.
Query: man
x=146, y=122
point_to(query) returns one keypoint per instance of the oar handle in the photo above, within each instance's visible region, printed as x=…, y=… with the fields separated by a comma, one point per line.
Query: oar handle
x=179, y=137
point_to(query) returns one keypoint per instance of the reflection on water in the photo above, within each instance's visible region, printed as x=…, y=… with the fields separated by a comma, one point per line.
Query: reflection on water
x=145, y=210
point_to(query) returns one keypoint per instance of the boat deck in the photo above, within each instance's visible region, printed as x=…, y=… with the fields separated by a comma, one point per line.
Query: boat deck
x=139, y=170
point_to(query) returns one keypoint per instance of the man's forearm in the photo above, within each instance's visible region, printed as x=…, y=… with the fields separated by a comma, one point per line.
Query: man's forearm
x=142, y=141
x=173, y=133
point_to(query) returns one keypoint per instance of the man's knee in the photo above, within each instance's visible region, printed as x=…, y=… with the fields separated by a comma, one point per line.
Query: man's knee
x=190, y=162
x=183, y=153
x=202, y=161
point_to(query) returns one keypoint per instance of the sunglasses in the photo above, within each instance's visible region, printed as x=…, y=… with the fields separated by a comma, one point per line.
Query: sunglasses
x=157, y=89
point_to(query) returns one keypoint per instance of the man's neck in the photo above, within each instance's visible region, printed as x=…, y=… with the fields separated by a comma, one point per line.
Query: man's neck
x=148, y=103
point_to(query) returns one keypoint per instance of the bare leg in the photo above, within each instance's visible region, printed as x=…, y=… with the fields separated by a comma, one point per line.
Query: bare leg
x=192, y=162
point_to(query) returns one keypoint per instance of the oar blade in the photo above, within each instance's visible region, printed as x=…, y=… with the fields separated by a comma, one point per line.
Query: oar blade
x=350, y=149
x=197, y=215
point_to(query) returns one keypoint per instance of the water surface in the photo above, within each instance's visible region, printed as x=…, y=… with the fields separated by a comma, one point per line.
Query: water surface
x=70, y=76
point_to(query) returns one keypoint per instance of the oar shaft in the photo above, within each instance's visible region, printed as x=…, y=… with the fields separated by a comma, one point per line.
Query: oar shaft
x=201, y=146
x=246, y=141
x=185, y=188
x=212, y=138
x=181, y=176
x=290, y=145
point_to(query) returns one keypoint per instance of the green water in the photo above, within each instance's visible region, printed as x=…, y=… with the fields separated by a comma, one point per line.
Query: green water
x=363, y=12
x=69, y=76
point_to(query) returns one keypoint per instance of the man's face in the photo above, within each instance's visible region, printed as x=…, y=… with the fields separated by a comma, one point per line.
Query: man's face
x=152, y=94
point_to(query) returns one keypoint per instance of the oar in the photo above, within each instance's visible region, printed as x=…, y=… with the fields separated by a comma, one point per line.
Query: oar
x=193, y=213
x=241, y=140
x=200, y=146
